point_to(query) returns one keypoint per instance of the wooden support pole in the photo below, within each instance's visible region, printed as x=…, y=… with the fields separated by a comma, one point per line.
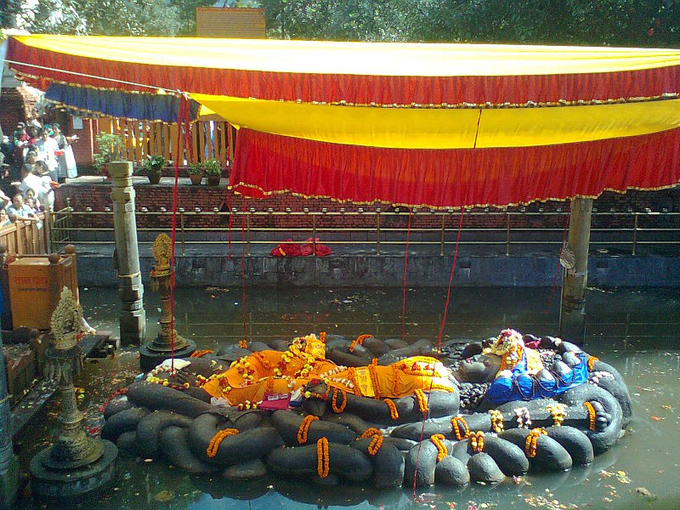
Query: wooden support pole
x=573, y=311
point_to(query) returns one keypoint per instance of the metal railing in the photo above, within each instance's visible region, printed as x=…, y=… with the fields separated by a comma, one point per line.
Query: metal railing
x=652, y=229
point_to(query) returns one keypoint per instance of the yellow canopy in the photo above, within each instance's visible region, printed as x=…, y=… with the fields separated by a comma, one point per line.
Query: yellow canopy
x=414, y=128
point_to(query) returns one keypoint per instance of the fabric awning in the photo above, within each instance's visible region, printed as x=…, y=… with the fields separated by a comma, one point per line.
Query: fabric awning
x=416, y=124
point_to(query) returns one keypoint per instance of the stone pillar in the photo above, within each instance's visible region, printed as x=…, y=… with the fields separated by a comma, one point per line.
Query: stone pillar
x=573, y=311
x=132, y=315
x=9, y=467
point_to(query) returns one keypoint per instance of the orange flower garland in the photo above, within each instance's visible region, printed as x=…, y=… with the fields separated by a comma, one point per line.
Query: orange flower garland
x=243, y=344
x=394, y=414
x=200, y=354
x=456, y=428
x=359, y=341
x=496, y=421
x=304, y=428
x=322, y=337
x=322, y=458
x=215, y=442
x=334, y=401
x=377, y=439
x=591, y=362
x=477, y=441
x=592, y=415
x=437, y=440
x=422, y=401
x=532, y=439
x=374, y=379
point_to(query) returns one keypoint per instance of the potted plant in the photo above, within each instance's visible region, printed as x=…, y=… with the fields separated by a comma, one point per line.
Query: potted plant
x=109, y=148
x=213, y=171
x=153, y=168
x=195, y=174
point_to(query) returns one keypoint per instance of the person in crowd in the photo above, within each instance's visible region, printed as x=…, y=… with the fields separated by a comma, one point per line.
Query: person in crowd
x=4, y=218
x=65, y=157
x=32, y=201
x=41, y=183
x=33, y=133
x=47, y=152
x=19, y=209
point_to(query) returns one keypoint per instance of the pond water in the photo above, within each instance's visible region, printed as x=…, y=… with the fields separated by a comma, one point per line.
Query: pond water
x=635, y=331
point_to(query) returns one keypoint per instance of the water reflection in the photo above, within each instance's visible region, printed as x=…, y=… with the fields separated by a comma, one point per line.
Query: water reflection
x=637, y=332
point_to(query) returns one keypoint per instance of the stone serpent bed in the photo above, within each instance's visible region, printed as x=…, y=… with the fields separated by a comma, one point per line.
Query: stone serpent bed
x=336, y=435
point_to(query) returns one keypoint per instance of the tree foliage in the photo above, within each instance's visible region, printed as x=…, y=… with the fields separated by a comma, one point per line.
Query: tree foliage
x=602, y=22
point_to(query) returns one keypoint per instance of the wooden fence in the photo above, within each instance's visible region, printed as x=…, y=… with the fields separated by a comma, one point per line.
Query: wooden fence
x=209, y=139
x=26, y=237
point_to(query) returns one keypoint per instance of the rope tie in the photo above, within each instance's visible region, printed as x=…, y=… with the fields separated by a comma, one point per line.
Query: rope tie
x=322, y=458
x=359, y=341
x=304, y=428
x=377, y=441
x=217, y=439
x=438, y=441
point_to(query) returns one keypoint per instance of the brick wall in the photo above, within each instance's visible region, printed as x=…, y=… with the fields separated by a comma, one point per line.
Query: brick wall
x=16, y=105
x=98, y=197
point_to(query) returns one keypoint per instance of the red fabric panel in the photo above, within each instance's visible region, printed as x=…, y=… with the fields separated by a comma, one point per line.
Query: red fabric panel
x=351, y=88
x=452, y=178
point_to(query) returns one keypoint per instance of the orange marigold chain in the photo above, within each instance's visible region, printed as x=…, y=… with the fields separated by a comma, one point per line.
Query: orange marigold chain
x=374, y=380
x=532, y=440
x=322, y=337
x=200, y=354
x=243, y=344
x=592, y=415
x=322, y=458
x=304, y=428
x=591, y=362
x=394, y=414
x=359, y=341
x=438, y=441
x=217, y=439
x=334, y=400
x=477, y=441
x=377, y=439
x=456, y=423
x=422, y=401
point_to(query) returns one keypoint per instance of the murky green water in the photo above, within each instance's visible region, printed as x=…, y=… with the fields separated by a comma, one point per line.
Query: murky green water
x=636, y=331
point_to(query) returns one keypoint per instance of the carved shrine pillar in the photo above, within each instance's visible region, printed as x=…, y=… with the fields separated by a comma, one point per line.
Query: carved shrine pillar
x=575, y=262
x=132, y=315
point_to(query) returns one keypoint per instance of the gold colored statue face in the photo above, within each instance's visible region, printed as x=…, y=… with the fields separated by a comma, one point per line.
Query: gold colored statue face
x=162, y=252
x=66, y=320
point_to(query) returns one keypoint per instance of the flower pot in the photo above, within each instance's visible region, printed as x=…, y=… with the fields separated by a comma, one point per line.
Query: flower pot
x=196, y=179
x=213, y=180
x=154, y=177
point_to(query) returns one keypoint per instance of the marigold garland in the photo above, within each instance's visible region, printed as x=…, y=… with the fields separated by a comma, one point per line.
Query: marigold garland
x=592, y=415
x=200, y=354
x=437, y=440
x=496, y=421
x=217, y=439
x=477, y=441
x=377, y=439
x=591, y=362
x=165, y=382
x=359, y=341
x=304, y=428
x=322, y=337
x=558, y=412
x=322, y=458
x=243, y=344
x=334, y=401
x=394, y=414
x=532, y=440
x=456, y=428
x=374, y=381
x=422, y=401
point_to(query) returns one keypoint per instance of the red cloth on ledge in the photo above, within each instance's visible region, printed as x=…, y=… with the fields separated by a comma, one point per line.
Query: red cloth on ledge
x=292, y=249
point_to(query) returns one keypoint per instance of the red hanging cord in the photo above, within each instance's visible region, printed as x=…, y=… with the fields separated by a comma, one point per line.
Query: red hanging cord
x=403, y=303
x=559, y=260
x=243, y=267
x=230, y=190
x=182, y=113
x=439, y=345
